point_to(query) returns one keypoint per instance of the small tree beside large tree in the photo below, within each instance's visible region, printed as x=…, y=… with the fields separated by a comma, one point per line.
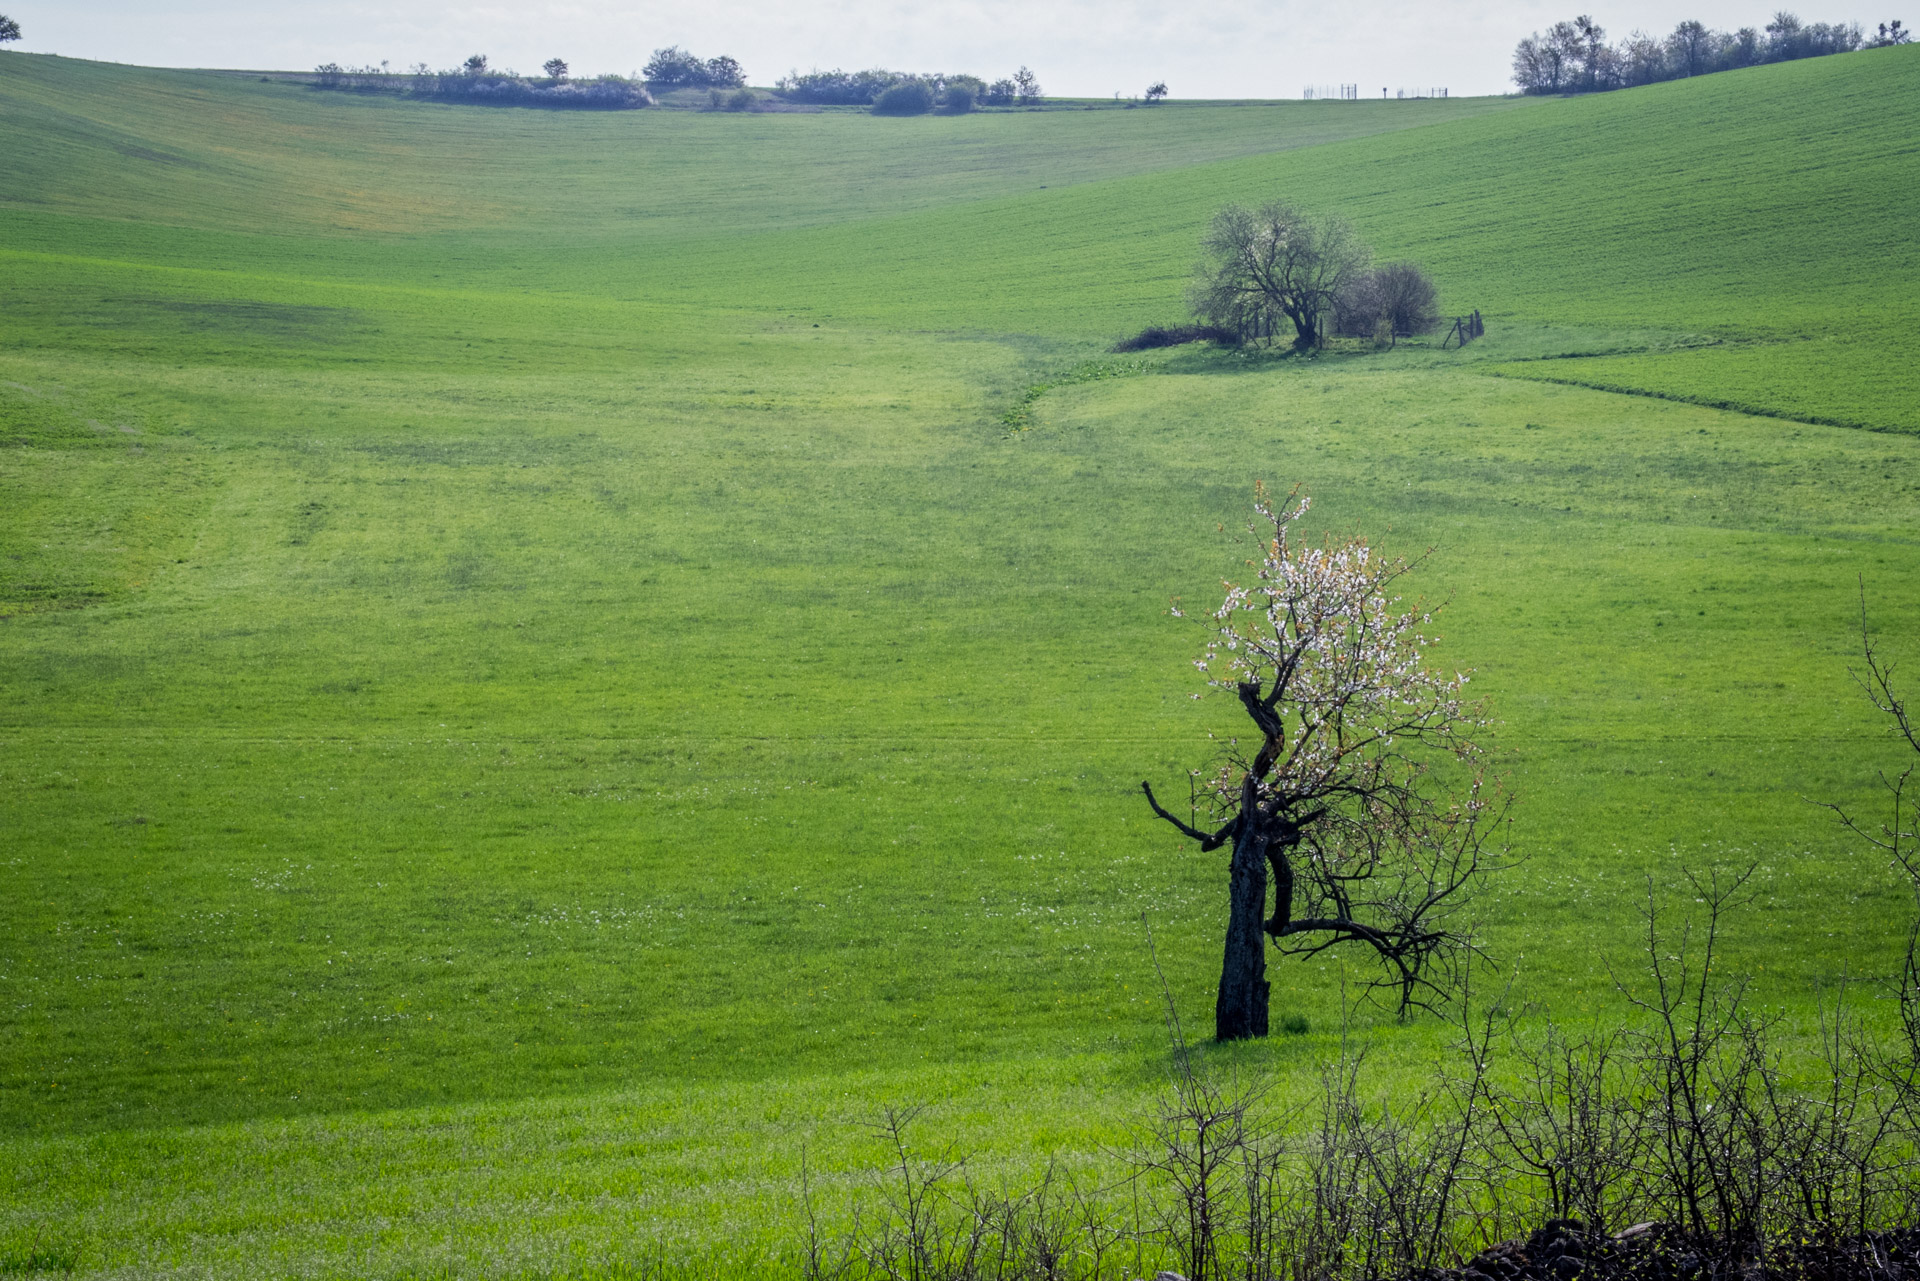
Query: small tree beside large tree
x=1365, y=798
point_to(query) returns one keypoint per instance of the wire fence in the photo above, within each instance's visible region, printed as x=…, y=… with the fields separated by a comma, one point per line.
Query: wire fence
x=1351, y=93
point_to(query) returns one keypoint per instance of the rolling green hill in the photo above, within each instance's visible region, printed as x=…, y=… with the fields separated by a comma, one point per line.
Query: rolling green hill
x=536, y=681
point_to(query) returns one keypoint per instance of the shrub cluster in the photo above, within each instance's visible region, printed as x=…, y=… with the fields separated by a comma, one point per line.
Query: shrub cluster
x=741, y=99
x=608, y=93
x=1574, y=57
x=963, y=93
x=913, y=97
x=837, y=88
x=954, y=93
x=475, y=82
x=1391, y=301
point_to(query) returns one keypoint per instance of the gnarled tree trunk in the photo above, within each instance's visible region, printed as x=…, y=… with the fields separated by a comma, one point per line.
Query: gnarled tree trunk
x=1240, y=1010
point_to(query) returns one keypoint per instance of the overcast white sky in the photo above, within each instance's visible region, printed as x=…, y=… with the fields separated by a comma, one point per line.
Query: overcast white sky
x=1215, y=48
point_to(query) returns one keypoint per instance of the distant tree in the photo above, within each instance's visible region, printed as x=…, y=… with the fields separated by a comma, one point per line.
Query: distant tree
x=1551, y=63
x=1156, y=91
x=1690, y=48
x=908, y=98
x=1538, y=66
x=1890, y=34
x=1001, y=93
x=475, y=66
x=1593, y=55
x=1642, y=59
x=1570, y=46
x=1784, y=39
x=724, y=73
x=10, y=30
x=1823, y=38
x=556, y=68
x=1271, y=264
x=1026, y=86
x=1363, y=795
x=1744, y=48
x=675, y=68
x=1789, y=38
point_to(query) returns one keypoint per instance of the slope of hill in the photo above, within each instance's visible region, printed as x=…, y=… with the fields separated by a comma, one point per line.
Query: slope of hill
x=535, y=681
x=1749, y=230
x=210, y=151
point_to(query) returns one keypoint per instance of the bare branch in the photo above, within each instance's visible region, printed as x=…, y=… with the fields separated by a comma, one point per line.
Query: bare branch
x=1207, y=842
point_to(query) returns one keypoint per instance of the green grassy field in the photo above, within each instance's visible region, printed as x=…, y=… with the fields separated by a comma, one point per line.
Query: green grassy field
x=536, y=682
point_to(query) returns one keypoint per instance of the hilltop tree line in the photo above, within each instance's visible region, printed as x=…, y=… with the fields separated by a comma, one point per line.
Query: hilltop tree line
x=475, y=80
x=904, y=93
x=884, y=92
x=1574, y=57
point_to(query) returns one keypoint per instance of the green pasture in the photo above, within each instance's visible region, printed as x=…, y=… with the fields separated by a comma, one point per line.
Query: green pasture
x=538, y=680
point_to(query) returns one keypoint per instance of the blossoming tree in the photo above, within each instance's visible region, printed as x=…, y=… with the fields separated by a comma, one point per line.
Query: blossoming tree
x=1365, y=797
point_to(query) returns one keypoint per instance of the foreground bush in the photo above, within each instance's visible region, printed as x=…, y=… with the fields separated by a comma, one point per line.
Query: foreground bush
x=1692, y=1142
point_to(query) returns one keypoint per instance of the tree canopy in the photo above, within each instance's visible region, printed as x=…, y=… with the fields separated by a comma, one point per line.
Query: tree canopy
x=676, y=68
x=1272, y=265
